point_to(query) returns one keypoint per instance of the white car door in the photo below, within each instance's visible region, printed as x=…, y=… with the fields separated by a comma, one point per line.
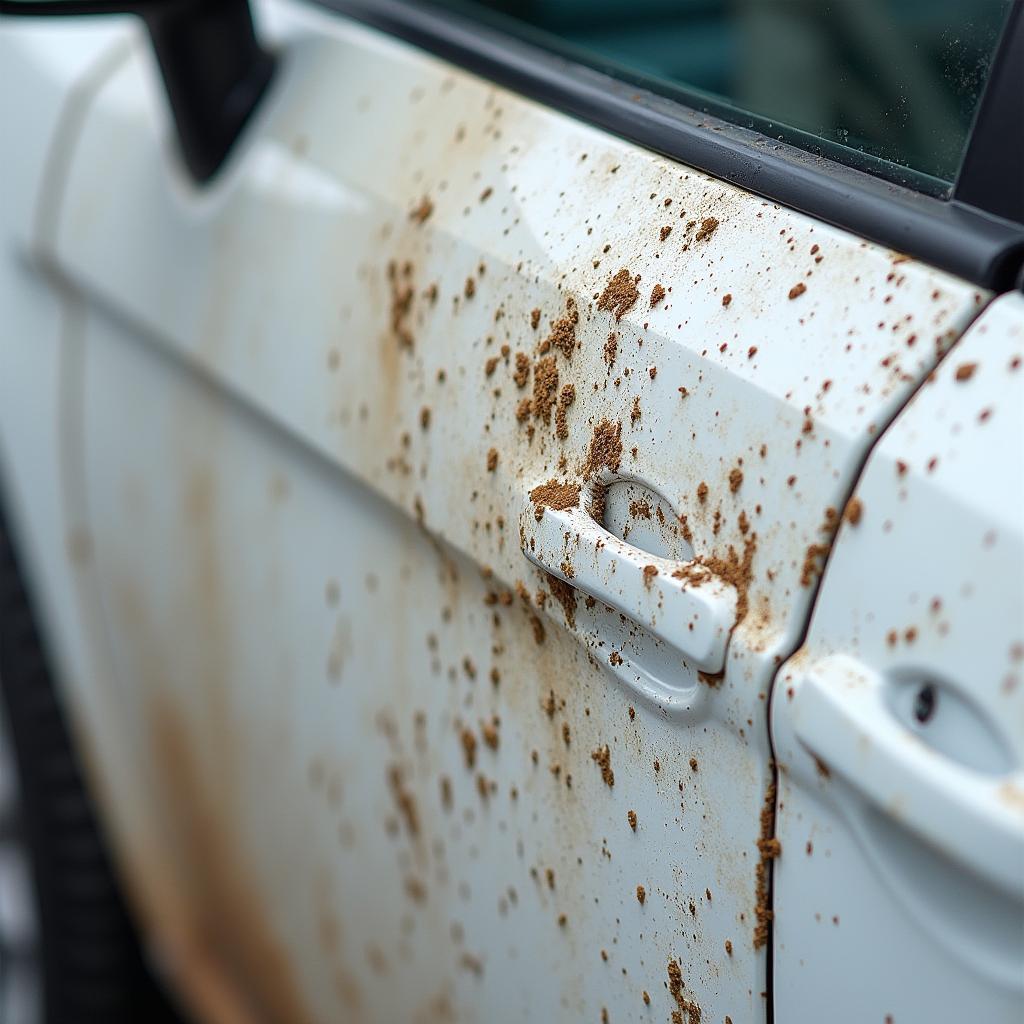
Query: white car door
x=446, y=482
x=899, y=723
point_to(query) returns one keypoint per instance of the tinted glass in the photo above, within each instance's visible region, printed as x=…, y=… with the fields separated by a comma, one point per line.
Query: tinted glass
x=889, y=85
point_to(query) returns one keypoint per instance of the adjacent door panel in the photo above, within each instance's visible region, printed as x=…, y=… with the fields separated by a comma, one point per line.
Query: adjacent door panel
x=354, y=424
x=900, y=723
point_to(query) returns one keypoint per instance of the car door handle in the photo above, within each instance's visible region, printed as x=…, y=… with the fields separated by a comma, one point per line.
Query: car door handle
x=683, y=604
x=841, y=716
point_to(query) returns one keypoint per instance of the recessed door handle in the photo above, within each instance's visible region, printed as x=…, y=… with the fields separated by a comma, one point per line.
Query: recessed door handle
x=841, y=716
x=683, y=604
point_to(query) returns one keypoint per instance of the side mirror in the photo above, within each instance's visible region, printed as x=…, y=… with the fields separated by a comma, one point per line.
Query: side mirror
x=213, y=66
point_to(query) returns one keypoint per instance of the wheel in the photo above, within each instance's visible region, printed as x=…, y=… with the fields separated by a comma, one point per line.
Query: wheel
x=69, y=953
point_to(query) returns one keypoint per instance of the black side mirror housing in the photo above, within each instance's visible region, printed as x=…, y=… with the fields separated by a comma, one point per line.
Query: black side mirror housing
x=214, y=69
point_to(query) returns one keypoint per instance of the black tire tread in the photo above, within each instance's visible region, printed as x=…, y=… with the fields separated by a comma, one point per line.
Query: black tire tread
x=93, y=966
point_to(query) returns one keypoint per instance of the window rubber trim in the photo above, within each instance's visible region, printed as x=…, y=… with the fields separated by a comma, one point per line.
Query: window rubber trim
x=992, y=171
x=951, y=234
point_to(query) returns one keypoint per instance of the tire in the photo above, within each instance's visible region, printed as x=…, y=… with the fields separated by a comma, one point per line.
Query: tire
x=73, y=955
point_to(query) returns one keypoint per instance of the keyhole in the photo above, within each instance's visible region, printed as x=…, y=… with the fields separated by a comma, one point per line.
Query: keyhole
x=924, y=703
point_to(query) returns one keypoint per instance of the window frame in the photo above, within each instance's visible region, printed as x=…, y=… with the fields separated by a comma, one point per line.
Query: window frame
x=976, y=234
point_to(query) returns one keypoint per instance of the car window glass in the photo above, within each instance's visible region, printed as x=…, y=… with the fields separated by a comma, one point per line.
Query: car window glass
x=887, y=85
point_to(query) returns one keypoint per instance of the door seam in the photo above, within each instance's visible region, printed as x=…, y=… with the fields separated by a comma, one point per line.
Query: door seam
x=816, y=588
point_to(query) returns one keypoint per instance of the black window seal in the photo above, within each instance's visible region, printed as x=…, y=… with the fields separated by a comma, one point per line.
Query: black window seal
x=955, y=235
x=991, y=175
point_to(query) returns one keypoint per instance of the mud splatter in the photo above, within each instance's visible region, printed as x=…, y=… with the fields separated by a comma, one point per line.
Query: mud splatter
x=555, y=495
x=563, y=332
x=708, y=226
x=602, y=757
x=605, y=450
x=620, y=294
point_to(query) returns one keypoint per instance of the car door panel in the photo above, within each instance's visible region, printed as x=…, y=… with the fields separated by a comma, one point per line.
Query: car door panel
x=899, y=722
x=326, y=405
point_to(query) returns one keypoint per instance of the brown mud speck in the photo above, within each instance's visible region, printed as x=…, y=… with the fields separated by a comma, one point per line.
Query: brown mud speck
x=853, y=511
x=402, y=294
x=521, y=376
x=687, y=1011
x=468, y=739
x=657, y=295
x=650, y=571
x=554, y=495
x=665, y=232
x=727, y=299
x=735, y=479
x=404, y=800
x=566, y=397
x=563, y=332
x=492, y=460
x=415, y=890
x=535, y=318
x=797, y=290
x=611, y=347
x=814, y=563
x=734, y=568
x=605, y=450
x=565, y=594
x=641, y=894
x=707, y=228
x=602, y=757
x=422, y=211
x=489, y=733
x=965, y=371
x=620, y=294
x=631, y=818
x=768, y=848
x=471, y=963
x=545, y=388
x=549, y=705
x=702, y=492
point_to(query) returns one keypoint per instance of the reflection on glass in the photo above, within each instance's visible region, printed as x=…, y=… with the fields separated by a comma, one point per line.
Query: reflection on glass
x=896, y=80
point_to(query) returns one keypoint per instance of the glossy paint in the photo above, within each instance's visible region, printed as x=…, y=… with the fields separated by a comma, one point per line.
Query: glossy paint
x=899, y=725
x=362, y=756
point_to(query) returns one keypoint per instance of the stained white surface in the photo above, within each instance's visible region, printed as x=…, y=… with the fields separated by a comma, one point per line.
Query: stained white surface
x=296, y=581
